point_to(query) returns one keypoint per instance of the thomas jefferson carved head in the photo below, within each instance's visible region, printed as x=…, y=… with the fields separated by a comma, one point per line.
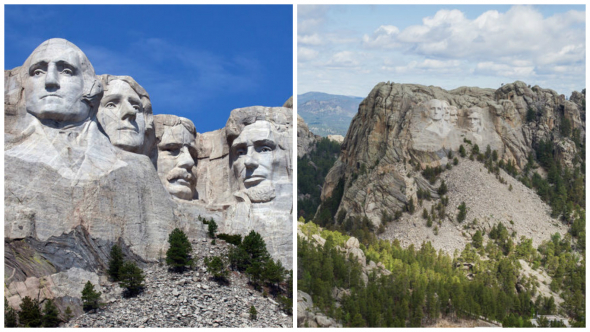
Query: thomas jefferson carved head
x=125, y=114
x=258, y=149
x=177, y=152
x=59, y=83
x=452, y=116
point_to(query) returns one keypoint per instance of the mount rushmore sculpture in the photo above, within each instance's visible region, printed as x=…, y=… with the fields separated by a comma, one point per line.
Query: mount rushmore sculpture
x=88, y=165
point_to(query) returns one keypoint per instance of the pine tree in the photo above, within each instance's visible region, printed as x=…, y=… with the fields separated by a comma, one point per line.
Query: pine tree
x=217, y=267
x=178, y=255
x=253, y=313
x=9, y=315
x=68, y=314
x=477, y=239
x=212, y=228
x=132, y=278
x=442, y=189
x=274, y=272
x=30, y=313
x=254, y=272
x=50, y=315
x=462, y=212
x=90, y=297
x=115, y=262
x=462, y=151
x=255, y=248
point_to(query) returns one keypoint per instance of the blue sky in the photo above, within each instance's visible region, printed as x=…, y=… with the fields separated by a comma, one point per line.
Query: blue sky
x=349, y=49
x=198, y=61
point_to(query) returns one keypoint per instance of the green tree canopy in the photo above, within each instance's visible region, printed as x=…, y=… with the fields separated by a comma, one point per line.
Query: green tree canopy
x=115, y=262
x=132, y=278
x=90, y=297
x=178, y=256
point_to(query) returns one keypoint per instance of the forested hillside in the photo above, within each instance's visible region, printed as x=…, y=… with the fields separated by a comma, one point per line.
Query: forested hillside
x=311, y=171
x=485, y=281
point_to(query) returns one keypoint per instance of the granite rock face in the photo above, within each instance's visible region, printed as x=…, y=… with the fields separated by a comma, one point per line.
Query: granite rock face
x=88, y=166
x=305, y=138
x=398, y=123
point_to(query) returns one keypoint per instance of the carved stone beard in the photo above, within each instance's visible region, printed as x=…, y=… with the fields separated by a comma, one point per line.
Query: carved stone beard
x=262, y=193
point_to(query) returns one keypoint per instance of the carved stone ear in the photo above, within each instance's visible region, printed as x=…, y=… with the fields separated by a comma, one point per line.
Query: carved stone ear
x=95, y=89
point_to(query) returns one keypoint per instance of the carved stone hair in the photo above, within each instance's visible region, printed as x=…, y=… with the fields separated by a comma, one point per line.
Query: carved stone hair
x=279, y=117
x=169, y=120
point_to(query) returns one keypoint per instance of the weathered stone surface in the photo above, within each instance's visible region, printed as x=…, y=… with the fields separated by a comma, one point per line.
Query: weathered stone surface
x=336, y=138
x=83, y=172
x=309, y=316
x=398, y=123
x=305, y=138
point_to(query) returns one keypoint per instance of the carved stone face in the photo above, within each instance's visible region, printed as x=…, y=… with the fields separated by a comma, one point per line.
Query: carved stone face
x=474, y=120
x=121, y=116
x=54, y=85
x=176, y=157
x=453, y=116
x=435, y=109
x=253, y=154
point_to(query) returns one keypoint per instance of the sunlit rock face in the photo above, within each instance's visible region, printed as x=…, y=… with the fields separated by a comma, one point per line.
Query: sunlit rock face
x=88, y=166
x=260, y=141
x=398, y=123
x=125, y=114
x=69, y=192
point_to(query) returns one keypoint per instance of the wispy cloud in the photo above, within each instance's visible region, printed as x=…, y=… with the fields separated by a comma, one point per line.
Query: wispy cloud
x=196, y=75
x=447, y=48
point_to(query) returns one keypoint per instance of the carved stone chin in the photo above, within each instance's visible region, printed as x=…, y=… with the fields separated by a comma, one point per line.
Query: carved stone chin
x=262, y=193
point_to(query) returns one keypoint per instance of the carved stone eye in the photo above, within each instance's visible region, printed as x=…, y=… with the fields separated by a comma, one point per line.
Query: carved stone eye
x=265, y=149
x=67, y=71
x=110, y=105
x=38, y=72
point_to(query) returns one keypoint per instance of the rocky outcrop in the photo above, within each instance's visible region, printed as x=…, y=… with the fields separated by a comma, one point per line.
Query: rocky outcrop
x=401, y=123
x=309, y=316
x=336, y=138
x=305, y=139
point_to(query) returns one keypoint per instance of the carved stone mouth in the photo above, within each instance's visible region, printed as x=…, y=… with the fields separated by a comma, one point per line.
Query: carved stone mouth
x=51, y=95
x=253, y=180
x=128, y=129
x=181, y=181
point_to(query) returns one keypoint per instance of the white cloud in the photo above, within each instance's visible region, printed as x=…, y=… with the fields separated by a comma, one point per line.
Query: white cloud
x=309, y=39
x=500, y=69
x=520, y=32
x=382, y=37
x=306, y=54
x=310, y=18
x=448, y=49
x=344, y=59
x=428, y=65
